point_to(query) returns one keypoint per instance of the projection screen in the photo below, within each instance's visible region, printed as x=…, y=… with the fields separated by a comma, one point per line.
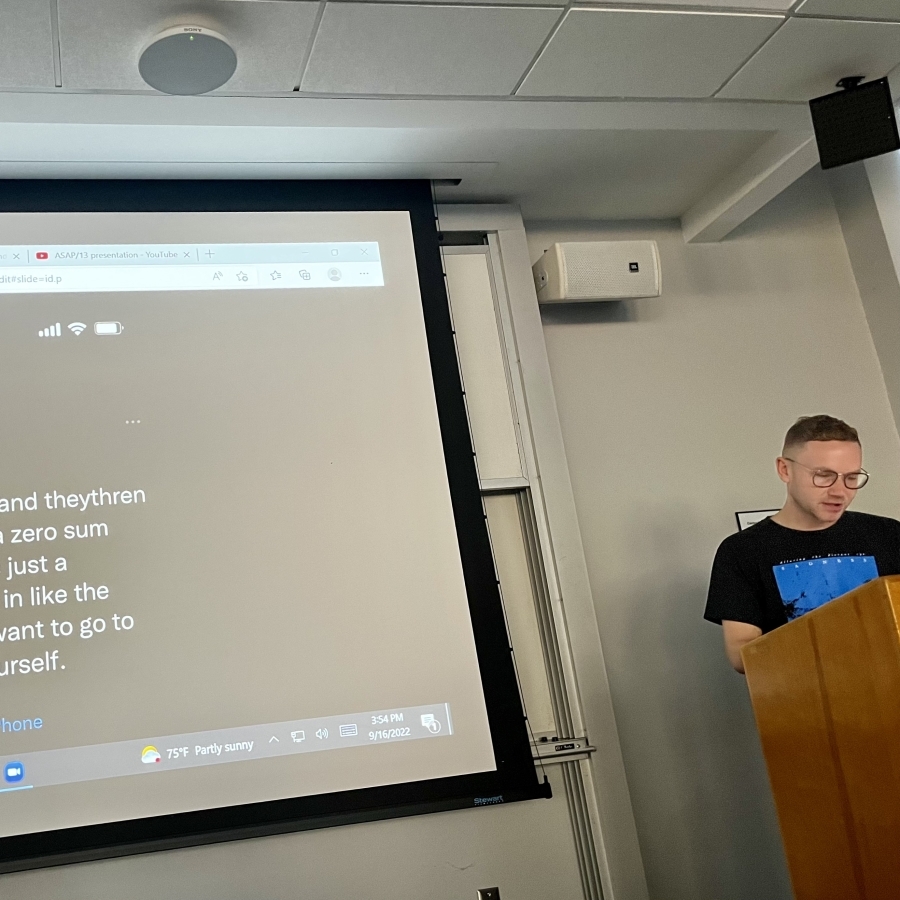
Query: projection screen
x=247, y=583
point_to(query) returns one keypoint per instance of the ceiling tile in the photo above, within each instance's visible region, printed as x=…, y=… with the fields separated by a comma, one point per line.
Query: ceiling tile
x=367, y=48
x=807, y=57
x=465, y=2
x=26, y=45
x=853, y=9
x=718, y=5
x=744, y=5
x=639, y=53
x=101, y=40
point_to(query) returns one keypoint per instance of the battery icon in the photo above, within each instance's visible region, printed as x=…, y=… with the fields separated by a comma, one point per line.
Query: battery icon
x=105, y=328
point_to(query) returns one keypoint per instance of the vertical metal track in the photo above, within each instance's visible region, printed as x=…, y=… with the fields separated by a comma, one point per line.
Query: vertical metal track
x=579, y=814
x=546, y=624
x=581, y=828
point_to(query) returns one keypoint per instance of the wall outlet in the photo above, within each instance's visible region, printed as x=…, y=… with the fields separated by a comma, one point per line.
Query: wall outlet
x=489, y=893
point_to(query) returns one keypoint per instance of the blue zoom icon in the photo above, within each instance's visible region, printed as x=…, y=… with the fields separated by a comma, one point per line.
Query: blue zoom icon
x=13, y=772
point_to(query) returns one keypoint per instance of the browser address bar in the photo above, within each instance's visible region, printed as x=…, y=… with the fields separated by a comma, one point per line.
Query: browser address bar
x=111, y=279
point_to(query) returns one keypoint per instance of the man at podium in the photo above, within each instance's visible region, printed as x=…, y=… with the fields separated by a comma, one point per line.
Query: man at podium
x=812, y=550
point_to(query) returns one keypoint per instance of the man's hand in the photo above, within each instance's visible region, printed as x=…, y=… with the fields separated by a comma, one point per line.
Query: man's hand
x=737, y=634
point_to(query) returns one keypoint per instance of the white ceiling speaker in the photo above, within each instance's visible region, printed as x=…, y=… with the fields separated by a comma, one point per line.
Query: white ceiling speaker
x=575, y=271
x=187, y=59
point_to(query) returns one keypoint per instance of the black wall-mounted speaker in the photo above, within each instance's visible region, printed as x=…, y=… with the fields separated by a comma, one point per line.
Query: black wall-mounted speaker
x=855, y=123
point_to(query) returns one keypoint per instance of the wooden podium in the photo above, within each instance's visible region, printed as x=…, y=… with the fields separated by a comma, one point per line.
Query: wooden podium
x=826, y=694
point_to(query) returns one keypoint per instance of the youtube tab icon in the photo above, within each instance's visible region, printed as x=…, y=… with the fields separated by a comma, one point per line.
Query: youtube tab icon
x=42, y=254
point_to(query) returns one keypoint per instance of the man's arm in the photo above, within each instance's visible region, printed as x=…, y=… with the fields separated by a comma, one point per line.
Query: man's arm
x=737, y=634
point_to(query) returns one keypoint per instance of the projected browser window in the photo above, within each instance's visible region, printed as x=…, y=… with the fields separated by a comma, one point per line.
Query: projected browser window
x=181, y=267
x=231, y=572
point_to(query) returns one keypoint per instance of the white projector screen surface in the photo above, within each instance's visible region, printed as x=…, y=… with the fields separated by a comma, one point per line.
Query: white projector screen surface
x=231, y=572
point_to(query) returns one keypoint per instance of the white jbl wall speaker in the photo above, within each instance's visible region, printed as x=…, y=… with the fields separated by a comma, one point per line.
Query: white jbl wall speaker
x=598, y=270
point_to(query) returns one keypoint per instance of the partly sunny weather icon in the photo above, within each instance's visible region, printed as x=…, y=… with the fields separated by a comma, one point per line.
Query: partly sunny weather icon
x=150, y=755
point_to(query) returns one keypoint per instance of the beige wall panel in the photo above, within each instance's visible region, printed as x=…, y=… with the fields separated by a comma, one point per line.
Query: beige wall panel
x=483, y=366
x=518, y=600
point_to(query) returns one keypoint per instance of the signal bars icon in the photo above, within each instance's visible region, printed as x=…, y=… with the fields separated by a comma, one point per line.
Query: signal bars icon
x=55, y=331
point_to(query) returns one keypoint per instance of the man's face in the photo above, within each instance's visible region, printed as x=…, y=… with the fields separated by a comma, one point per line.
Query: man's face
x=824, y=505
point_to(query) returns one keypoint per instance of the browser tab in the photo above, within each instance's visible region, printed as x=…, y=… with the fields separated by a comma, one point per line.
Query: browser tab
x=13, y=256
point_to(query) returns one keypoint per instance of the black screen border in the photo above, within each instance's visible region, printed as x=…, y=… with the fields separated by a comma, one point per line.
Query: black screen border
x=515, y=778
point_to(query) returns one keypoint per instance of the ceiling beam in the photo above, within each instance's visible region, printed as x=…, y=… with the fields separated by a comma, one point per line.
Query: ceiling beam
x=784, y=158
x=299, y=111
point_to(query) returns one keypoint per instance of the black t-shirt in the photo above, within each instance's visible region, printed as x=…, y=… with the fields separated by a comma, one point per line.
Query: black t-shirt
x=769, y=574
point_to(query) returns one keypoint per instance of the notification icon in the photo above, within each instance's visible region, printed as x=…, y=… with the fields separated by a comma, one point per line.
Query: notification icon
x=42, y=254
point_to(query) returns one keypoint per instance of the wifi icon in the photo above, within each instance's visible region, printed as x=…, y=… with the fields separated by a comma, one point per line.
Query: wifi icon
x=77, y=327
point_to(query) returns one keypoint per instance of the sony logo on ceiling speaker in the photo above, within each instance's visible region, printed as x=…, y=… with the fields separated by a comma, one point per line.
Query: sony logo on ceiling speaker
x=598, y=270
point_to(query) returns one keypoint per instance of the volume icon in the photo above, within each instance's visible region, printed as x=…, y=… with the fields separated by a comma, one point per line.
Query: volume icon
x=77, y=327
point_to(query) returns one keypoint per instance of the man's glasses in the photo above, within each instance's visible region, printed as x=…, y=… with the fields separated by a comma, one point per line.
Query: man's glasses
x=826, y=478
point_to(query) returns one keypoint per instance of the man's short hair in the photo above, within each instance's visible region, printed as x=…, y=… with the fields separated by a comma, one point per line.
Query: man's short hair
x=819, y=428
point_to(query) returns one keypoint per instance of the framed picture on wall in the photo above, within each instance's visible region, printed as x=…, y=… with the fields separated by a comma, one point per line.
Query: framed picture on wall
x=751, y=516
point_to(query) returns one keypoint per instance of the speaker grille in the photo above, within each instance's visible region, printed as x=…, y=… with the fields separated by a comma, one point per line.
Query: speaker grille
x=855, y=124
x=187, y=61
x=607, y=269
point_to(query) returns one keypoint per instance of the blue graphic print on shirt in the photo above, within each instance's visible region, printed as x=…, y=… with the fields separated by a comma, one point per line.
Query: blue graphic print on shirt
x=807, y=584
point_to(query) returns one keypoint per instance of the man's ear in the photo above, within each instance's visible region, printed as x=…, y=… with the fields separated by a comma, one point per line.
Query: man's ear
x=781, y=467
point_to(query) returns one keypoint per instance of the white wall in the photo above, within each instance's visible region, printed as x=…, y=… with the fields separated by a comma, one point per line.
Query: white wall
x=868, y=204
x=526, y=848
x=672, y=412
